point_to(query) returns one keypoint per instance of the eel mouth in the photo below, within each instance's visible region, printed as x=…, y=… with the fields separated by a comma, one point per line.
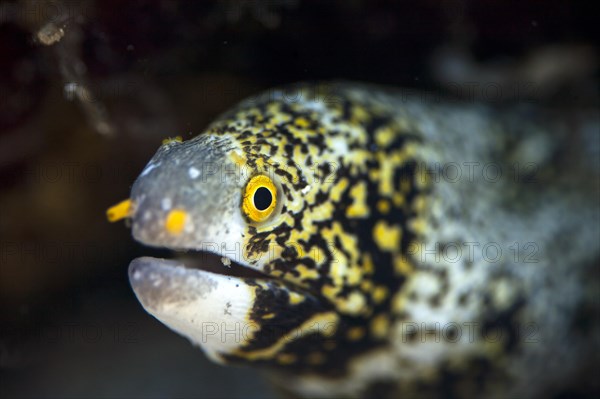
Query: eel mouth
x=213, y=263
x=218, y=307
x=205, y=295
x=155, y=279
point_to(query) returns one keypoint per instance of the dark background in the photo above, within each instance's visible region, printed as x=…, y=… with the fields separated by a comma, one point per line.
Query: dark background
x=88, y=90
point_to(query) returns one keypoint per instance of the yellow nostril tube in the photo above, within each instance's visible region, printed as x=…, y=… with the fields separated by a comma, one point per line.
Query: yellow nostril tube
x=119, y=211
x=170, y=140
x=175, y=221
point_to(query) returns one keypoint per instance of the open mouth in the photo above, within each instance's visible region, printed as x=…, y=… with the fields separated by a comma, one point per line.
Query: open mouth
x=215, y=301
x=160, y=281
x=213, y=263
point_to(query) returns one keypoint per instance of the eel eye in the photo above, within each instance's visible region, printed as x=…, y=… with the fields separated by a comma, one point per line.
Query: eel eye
x=260, y=198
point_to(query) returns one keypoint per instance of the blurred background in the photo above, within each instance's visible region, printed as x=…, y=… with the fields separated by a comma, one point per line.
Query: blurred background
x=89, y=89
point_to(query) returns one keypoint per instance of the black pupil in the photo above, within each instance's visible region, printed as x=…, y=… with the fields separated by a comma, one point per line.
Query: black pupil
x=262, y=199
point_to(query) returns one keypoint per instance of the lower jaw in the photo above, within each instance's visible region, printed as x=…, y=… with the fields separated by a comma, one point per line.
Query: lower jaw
x=189, y=300
x=201, y=304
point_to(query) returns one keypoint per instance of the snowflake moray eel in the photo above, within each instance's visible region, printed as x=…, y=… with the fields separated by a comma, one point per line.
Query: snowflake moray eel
x=375, y=244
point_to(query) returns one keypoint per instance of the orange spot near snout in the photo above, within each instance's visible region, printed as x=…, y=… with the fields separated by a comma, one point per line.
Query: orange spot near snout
x=119, y=211
x=175, y=221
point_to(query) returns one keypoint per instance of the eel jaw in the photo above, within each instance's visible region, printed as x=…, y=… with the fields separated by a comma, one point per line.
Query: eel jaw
x=211, y=310
x=233, y=318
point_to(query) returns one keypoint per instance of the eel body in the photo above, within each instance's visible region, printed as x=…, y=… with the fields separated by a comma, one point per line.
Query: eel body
x=363, y=242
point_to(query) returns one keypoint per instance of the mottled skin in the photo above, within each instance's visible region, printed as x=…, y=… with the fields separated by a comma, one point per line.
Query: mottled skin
x=364, y=240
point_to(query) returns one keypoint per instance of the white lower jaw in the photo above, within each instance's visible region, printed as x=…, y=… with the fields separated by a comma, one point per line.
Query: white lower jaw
x=211, y=310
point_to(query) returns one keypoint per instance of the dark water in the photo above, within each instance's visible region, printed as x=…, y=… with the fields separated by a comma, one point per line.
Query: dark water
x=88, y=91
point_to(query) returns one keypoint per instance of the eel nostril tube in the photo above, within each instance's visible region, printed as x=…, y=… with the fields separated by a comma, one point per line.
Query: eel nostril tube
x=120, y=211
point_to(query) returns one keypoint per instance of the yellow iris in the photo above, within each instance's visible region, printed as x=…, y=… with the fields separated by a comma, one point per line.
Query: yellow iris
x=260, y=198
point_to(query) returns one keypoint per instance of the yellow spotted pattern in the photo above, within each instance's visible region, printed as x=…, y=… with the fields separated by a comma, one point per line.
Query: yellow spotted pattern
x=349, y=203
